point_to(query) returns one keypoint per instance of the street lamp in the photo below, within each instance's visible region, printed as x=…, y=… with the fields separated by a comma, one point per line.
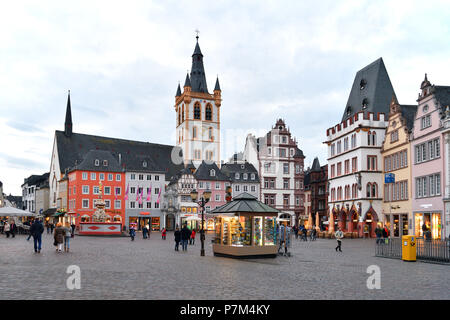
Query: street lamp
x=202, y=202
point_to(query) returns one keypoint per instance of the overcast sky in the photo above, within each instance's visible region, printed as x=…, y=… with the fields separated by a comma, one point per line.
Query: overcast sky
x=122, y=61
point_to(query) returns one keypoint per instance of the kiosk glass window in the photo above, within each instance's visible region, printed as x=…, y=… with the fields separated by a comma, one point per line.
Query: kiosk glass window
x=270, y=231
x=218, y=225
x=241, y=231
x=258, y=231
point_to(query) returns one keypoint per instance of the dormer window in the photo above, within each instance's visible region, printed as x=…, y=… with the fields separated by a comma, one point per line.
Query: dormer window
x=245, y=176
x=105, y=163
x=365, y=103
x=97, y=162
x=236, y=176
x=252, y=176
x=242, y=166
x=362, y=84
x=212, y=173
x=425, y=109
x=144, y=164
x=349, y=110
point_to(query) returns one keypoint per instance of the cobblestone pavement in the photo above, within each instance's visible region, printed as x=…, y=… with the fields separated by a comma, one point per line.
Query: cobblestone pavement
x=116, y=268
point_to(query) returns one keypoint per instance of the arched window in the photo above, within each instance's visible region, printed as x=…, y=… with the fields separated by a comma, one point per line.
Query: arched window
x=208, y=112
x=374, y=190
x=197, y=111
x=374, y=138
x=339, y=193
x=182, y=114
x=194, y=132
x=368, y=187
x=369, y=135
x=333, y=194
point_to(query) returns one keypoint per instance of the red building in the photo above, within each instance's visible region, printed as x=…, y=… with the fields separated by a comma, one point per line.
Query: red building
x=316, y=180
x=99, y=174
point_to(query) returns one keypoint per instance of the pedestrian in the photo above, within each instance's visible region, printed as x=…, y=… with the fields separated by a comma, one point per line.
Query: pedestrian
x=305, y=234
x=193, y=237
x=177, y=235
x=13, y=228
x=47, y=224
x=132, y=232
x=67, y=237
x=7, y=229
x=2, y=226
x=339, y=235
x=163, y=233
x=59, y=236
x=36, y=231
x=283, y=238
x=379, y=234
x=149, y=231
x=185, y=235
x=73, y=229
x=385, y=233
x=313, y=234
x=52, y=226
x=296, y=232
x=144, y=232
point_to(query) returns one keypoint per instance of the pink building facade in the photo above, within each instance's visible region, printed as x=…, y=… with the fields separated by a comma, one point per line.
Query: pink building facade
x=427, y=160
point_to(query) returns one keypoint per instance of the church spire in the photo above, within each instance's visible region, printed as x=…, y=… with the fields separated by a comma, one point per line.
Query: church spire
x=217, y=87
x=198, y=78
x=178, y=91
x=68, y=122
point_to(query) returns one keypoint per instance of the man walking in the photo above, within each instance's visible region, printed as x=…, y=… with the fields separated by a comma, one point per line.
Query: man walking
x=177, y=235
x=73, y=229
x=13, y=228
x=36, y=231
x=185, y=235
x=339, y=235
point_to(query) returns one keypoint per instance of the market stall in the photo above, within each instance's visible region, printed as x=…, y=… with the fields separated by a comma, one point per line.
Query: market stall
x=245, y=228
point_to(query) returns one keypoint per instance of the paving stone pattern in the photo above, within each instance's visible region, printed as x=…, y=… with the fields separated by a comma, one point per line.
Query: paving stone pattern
x=117, y=268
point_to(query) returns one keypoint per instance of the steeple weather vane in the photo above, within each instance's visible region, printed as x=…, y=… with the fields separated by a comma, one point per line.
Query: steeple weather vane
x=197, y=32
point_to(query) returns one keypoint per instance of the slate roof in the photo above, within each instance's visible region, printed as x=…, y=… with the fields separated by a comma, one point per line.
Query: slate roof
x=409, y=114
x=198, y=78
x=217, y=87
x=230, y=169
x=442, y=94
x=377, y=91
x=73, y=150
x=178, y=91
x=298, y=153
x=244, y=202
x=315, y=165
x=91, y=156
x=203, y=172
x=37, y=180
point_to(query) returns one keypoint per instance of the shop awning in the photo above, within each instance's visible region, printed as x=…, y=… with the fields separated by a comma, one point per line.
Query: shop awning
x=49, y=212
x=59, y=214
x=14, y=212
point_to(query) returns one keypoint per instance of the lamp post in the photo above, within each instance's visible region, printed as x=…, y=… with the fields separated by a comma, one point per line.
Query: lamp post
x=206, y=196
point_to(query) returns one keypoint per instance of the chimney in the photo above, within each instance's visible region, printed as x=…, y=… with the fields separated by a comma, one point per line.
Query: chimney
x=120, y=159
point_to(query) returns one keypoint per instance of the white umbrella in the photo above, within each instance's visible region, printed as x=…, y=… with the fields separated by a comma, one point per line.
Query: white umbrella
x=14, y=212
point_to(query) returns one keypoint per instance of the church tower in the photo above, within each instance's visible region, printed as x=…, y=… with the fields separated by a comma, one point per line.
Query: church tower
x=198, y=115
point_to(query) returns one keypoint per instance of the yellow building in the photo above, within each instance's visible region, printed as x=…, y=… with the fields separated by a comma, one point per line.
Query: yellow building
x=397, y=197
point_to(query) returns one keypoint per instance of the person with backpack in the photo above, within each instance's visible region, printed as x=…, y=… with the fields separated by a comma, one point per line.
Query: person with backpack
x=379, y=234
x=36, y=231
x=185, y=235
x=132, y=232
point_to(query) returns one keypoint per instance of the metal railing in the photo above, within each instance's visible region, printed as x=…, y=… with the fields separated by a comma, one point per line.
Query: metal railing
x=433, y=250
x=389, y=248
x=427, y=250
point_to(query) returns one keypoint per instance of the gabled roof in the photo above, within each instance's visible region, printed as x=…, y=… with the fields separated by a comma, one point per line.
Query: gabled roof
x=37, y=180
x=244, y=202
x=298, y=153
x=371, y=86
x=204, y=170
x=230, y=169
x=132, y=154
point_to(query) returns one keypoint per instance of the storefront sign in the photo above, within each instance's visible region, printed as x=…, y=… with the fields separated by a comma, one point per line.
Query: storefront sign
x=389, y=178
x=145, y=213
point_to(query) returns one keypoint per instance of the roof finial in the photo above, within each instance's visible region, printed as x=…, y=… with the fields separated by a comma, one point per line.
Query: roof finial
x=197, y=32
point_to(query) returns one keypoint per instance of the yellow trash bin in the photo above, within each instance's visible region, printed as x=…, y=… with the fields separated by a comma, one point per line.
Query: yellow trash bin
x=408, y=248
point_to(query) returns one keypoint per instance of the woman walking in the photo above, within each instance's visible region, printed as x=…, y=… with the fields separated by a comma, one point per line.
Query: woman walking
x=7, y=229
x=59, y=236
x=193, y=237
x=163, y=233
x=132, y=233
x=67, y=237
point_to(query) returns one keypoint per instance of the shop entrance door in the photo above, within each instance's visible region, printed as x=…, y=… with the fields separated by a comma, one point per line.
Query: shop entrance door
x=404, y=224
x=170, y=222
x=143, y=222
x=396, y=226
